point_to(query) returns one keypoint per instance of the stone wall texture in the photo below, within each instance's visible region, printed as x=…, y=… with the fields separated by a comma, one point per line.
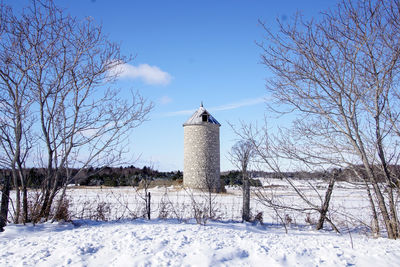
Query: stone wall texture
x=202, y=156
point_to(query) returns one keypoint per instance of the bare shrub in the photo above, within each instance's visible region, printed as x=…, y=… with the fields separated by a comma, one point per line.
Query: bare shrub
x=200, y=213
x=163, y=209
x=62, y=213
x=103, y=211
x=310, y=220
x=202, y=208
x=34, y=206
x=166, y=207
x=84, y=210
x=288, y=219
x=177, y=209
x=258, y=218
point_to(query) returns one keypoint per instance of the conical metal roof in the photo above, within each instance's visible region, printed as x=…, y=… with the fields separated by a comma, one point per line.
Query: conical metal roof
x=197, y=117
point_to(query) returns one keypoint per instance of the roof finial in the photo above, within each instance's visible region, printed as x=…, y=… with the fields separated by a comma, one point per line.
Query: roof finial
x=201, y=105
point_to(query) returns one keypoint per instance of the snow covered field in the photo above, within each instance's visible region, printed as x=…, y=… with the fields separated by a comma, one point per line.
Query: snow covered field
x=349, y=204
x=123, y=241
x=170, y=243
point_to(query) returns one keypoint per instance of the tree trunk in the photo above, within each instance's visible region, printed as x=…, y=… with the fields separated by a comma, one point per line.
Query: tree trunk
x=375, y=222
x=50, y=201
x=17, y=196
x=148, y=205
x=45, y=191
x=60, y=202
x=383, y=209
x=25, y=218
x=379, y=196
x=49, y=173
x=46, y=196
x=389, y=184
x=393, y=212
x=210, y=206
x=325, y=207
x=5, y=196
x=246, y=198
x=23, y=180
x=51, y=191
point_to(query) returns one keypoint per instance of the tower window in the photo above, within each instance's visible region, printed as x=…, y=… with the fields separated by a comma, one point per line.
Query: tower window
x=204, y=117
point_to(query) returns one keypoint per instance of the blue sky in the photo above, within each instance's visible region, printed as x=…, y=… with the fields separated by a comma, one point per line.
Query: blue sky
x=187, y=52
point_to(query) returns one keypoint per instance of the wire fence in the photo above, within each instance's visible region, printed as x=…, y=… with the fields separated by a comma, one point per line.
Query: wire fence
x=348, y=209
x=130, y=203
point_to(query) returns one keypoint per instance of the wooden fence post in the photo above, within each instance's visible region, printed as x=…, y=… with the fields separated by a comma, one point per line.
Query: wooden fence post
x=148, y=205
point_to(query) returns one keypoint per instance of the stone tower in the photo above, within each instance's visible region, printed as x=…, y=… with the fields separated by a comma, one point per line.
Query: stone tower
x=201, y=151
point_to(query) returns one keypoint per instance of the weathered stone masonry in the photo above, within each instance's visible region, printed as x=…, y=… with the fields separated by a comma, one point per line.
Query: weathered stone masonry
x=202, y=152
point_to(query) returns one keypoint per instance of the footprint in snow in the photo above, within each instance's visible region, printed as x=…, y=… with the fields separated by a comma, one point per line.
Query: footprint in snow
x=145, y=238
x=165, y=242
x=88, y=249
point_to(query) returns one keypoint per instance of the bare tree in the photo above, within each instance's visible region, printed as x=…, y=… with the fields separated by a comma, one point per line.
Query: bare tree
x=276, y=153
x=67, y=68
x=241, y=155
x=338, y=75
x=79, y=115
x=5, y=191
x=15, y=103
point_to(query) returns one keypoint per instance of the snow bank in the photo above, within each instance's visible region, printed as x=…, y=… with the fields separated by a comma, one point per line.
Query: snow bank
x=170, y=243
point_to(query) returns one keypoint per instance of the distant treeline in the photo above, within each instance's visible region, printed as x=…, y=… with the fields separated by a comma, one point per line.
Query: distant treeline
x=107, y=176
x=341, y=174
x=131, y=176
x=235, y=178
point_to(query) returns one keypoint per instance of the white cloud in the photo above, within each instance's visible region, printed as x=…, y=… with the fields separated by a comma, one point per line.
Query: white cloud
x=148, y=74
x=243, y=103
x=230, y=106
